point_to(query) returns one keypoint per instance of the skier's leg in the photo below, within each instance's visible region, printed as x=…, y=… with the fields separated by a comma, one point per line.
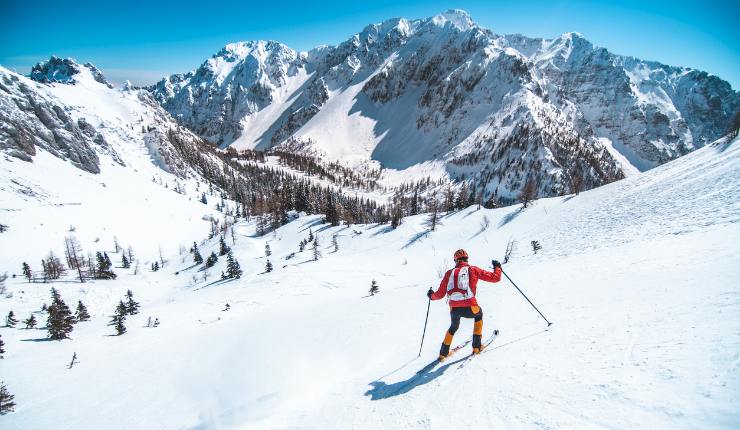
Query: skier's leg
x=477, y=328
x=454, y=325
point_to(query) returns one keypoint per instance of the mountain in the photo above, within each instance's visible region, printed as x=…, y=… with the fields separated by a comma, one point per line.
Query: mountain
x=444, y=97
x=639, y=277
x=82, y=157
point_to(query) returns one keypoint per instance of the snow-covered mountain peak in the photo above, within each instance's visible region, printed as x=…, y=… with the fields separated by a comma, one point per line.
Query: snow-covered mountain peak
x=458, y=18
x=66, y=71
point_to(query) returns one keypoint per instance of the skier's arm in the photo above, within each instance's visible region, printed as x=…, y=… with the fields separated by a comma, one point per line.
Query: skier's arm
x=485, y=275
x=442, y=290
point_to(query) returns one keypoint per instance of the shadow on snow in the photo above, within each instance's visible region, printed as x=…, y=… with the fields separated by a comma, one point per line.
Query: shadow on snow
x=381, y=390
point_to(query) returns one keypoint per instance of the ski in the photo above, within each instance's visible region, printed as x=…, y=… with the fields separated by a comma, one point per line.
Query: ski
x=485, y=345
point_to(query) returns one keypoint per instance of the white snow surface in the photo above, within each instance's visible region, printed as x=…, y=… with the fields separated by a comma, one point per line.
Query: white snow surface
x=640, y=278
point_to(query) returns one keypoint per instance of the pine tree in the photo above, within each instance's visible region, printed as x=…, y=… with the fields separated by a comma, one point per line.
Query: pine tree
x=223, y=248
x=529, y=192
x=60, y=322
x=203, y=199
x=119, y=318
x=81, y=313
x=433, y=220
x=10, y=321
x=211, y=260
x=197, y=258
x=124, y=262
x=30, y=322
x=302, y=245
x=132, y=307
x=335, y=243
x=232, y=267
x=374, y=288
x=310, y=235
x=268, y=267
x=104, y=266
x=315, y=249
x=6, y=400
x=2, y=346
x=267, y=250
x=27, y=271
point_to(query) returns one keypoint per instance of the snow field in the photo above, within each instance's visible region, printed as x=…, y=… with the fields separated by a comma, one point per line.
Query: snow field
x=639, y=277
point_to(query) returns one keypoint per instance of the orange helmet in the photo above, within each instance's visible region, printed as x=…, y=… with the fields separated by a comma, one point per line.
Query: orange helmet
x=460, y=253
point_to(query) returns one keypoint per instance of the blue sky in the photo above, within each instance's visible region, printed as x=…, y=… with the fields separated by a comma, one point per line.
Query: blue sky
x=143, y=41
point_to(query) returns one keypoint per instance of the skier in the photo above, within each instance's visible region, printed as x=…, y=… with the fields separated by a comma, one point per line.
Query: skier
x=459, y=284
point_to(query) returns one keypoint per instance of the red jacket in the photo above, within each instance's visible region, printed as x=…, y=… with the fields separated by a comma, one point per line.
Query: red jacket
x=476, y=273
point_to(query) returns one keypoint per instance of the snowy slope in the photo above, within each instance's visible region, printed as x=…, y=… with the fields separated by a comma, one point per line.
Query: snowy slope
x=445, y=97
x=80, y=155
x=639, y=277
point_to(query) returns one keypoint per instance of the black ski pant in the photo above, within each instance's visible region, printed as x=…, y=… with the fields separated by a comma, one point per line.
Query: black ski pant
x=474, y=312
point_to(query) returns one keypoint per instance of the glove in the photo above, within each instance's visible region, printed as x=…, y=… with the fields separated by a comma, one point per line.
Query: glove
x=429, y=293
x=496, y=264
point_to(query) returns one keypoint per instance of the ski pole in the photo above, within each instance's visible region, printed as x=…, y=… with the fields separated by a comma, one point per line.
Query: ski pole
x=425, y=327
x=530, y=302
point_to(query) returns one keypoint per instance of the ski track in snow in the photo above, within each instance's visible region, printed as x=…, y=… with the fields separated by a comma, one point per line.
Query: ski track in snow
x=640, y=278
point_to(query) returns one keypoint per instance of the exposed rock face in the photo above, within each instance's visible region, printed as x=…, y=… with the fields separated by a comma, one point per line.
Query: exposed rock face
x=29, y=120
x=63, y=71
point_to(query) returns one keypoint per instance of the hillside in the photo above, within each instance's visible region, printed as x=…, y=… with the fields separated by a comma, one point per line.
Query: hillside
x=637, y=276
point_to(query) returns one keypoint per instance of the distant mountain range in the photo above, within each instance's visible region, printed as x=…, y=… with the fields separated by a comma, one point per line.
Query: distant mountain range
x=443, y=98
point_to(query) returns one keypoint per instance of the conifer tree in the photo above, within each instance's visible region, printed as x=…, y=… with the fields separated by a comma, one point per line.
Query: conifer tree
x=60, y=322
x=2, y=346
x=132, y=307
x=104, y=265
x=310, y=235
x=223, y=248
x=124, y=262
x=211, y=260
x=6, y=400
x=433, y=219
x=302, y=245
x=232, y=267
x=30, y=322
x=119, y=318
x=10, y=321
x=197, y=258
x=315, y=249
x=374, y=288
x=268, y=267
x=27, y=271
x=81, y=313
x=335, y=243
x=529, y=192
x=268, y=252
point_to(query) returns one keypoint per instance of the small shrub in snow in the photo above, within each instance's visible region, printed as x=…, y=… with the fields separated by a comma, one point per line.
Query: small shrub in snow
x=10, y=320
x=536, y=246
x=374, y=288
x=30, y=322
